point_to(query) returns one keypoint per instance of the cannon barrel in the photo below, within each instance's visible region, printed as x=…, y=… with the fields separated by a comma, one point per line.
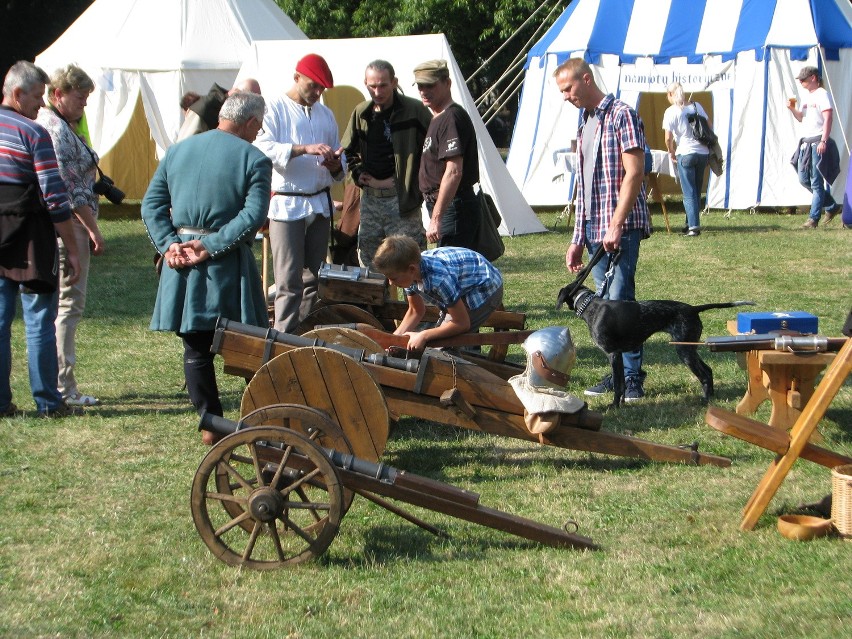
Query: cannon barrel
x=358, y=354
x=351, y=464
x=770, y=341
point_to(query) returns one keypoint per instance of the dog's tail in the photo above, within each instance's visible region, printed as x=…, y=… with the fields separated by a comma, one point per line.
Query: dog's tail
x=707, y=307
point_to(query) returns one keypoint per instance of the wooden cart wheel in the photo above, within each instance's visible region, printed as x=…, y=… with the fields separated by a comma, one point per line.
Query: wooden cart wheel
x=342, y=336
x=337, y=314
x=284, y=511
x=310, y=422
x=331, y=382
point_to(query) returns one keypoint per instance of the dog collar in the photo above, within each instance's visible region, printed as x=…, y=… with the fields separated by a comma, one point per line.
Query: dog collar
x=584, y=303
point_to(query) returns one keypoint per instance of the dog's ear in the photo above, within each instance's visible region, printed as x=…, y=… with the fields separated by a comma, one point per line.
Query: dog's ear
x=565, y=295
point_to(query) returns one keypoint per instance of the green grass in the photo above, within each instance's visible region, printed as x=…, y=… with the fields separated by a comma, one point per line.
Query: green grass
x=97, y=540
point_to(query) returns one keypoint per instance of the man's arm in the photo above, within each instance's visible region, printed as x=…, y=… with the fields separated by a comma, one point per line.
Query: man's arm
x=416, y=311
x=456, y=322
x=828, y=120
x=450, y=181
x=634, y=172
x=65, y=230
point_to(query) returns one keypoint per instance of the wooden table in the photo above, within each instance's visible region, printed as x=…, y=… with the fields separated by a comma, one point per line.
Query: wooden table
x=785, y=379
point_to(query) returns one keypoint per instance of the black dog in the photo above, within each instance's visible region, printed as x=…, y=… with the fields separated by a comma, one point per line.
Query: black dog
x=617, y=326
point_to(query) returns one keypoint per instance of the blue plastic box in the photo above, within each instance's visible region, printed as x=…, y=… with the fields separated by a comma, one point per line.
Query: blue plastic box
x=779, y=320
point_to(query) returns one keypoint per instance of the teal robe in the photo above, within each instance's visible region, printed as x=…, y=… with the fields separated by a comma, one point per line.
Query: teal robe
x=221, y=183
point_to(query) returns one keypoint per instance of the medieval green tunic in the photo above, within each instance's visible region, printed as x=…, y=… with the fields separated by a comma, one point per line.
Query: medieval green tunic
x=218, y=186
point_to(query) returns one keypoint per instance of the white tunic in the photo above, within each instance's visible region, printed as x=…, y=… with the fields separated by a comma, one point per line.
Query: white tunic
x=286, y=124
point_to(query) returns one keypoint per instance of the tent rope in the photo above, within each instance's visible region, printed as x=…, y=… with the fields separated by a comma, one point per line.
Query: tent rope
x=511, y=37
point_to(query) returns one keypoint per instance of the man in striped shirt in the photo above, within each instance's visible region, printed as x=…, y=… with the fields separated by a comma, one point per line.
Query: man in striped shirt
x=34, y=207
x=611, y=205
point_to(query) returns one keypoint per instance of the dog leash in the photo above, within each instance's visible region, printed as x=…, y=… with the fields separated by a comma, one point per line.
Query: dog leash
x=610, y=270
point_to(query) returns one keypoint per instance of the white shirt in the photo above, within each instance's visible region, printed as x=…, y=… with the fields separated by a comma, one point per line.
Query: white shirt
x=813, y=118
x=675, y=120
x=286, y=124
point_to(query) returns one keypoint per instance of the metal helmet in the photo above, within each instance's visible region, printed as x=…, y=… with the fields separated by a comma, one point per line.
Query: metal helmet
x=550, y=357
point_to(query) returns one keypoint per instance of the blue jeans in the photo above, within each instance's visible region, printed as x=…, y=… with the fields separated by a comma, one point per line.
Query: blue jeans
x=39, y=318
x=812, y=180
x=690, y=168
x=622, y=286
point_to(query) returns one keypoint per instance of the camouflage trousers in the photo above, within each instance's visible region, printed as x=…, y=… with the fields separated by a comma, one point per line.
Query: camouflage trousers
x=380, y=217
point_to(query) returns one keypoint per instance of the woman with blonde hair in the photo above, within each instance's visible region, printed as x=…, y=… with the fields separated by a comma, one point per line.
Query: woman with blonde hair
x=68, y=90
x=689, y=154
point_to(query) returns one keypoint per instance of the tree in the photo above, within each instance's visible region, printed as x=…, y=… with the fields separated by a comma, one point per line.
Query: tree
x=28, y=27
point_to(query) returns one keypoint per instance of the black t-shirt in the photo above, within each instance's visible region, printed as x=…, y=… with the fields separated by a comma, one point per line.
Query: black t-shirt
x=377, y=155
x=450, y=134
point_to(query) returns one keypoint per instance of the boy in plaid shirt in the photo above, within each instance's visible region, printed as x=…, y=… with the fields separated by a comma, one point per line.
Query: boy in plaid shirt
x=465, y=286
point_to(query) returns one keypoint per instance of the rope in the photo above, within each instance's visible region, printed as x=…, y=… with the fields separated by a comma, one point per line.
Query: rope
x=511, y=37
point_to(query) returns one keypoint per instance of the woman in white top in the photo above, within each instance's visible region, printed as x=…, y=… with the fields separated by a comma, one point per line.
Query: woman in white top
x=690, y=156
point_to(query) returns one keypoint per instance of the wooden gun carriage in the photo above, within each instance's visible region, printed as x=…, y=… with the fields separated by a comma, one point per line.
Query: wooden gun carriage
x=273, y=491
x=269, y=496
x=349, y=376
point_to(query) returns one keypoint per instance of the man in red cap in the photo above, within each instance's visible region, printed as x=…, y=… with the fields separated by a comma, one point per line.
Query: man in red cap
x=301, y=138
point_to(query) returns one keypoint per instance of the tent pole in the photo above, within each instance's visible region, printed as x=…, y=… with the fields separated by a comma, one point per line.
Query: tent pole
x=831, y=92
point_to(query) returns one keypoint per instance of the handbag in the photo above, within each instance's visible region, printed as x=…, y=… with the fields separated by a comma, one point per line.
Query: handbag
x=489, y=244
x=701, y=130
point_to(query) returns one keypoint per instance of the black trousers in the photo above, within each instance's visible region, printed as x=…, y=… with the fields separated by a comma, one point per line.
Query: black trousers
x=199, y=372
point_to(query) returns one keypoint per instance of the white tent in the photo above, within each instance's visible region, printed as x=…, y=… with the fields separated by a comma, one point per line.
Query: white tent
x=272, y=63
x=144, y=55
x=745, y=53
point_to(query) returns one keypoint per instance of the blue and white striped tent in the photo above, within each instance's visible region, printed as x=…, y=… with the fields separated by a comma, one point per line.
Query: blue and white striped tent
x=746, y=53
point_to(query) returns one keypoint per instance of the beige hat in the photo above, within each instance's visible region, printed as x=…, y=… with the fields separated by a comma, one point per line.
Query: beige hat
x=431, y=72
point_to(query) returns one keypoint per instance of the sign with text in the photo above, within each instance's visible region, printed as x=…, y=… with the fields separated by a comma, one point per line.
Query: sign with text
x=655, y=78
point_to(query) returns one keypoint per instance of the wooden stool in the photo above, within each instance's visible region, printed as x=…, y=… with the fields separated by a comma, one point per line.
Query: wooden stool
x=788, y=448
x=785, y=379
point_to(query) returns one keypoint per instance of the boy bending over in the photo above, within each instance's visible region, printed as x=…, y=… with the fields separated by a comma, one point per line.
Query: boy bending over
x=465, y=286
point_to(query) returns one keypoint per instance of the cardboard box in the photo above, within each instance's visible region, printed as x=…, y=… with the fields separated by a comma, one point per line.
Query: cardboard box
x=779, y=320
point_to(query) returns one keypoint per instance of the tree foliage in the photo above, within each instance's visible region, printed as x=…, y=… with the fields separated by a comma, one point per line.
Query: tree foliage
x=475, y=29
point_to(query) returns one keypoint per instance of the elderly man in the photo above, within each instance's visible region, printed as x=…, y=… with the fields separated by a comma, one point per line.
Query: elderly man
x=611, y=205
x=205, y=203
x=34, y=207
x=449, y=167
x=202, y=113
x=383, y=144
x=301, y=138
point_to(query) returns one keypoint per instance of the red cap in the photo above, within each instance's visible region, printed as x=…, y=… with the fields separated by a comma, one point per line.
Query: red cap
x=316, y=68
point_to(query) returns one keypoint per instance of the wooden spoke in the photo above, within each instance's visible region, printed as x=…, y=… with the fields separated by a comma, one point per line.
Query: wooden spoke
x=308, y=421
x=263, y=525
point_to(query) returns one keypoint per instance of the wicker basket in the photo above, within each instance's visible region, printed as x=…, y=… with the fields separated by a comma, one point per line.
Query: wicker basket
x=841, y=500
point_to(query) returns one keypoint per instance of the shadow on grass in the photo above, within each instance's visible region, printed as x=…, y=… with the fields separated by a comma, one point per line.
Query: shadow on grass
x=385, y=545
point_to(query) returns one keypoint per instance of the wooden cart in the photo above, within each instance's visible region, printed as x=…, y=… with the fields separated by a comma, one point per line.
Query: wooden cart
x=350, y=377
x=268, y=496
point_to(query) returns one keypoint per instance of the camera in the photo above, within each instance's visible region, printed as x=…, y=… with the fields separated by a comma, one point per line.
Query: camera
x=106, y=187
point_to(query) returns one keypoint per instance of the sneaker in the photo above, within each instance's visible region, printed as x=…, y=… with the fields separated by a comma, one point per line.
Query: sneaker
x=830, y=214
x=63, y=410
x=692, y=233
x=82, y=400
x=11, y=411
x=633, y=390
x=810, y=224
x=601, y=388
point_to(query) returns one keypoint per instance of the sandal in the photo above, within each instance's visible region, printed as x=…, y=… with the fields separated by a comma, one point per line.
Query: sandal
x=82, y=400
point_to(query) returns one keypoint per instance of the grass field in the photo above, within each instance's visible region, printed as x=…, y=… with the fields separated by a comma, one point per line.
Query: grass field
x=97, y=540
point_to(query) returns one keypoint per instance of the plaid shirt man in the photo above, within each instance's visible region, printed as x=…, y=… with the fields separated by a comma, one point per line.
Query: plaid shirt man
x=453, y=273
x=619, y=129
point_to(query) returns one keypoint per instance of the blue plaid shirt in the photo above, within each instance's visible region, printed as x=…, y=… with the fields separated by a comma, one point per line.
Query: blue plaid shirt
x=619, y=130
x=451, y=273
